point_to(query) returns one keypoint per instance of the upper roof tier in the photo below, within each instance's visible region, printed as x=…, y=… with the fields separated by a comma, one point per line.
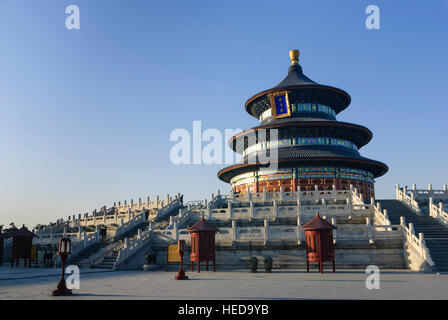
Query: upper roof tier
x=301, y=89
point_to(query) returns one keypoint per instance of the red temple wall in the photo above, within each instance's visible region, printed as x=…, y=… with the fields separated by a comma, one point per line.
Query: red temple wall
x=366, y=188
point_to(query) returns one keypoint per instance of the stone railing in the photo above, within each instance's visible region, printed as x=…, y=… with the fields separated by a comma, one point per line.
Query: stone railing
x=53, y=238
x=332, y=210
x=293, y=233
x=136, y=220
x=86, y=241
x=192, y=212
x=418, y=199
x=249, y=210
x=106, y=252
x=106, y=216
x=78, y=246
x=234, y=233
x=437, y=212
x=417, y=244
x=424, y=194
x=205, y=206
x=167, y=209
x=142, y=205
x=370, y=232
x=380, y=216
x=189, y=213
x=103, y=219
x=356, y=196
x=143, y=237
x=407, y=199
x=193, y=203
x=131, y=248
x=297, y=196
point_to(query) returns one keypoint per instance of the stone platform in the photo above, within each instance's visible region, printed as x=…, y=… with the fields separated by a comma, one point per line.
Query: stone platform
x=280, y=284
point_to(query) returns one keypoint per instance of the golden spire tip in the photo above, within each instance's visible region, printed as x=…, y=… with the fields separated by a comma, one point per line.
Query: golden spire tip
x=294, y=56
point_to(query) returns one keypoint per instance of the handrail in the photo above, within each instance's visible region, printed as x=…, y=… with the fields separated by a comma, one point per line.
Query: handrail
x=380, y=217
x=417, y=243
x=437, y=212
x=126, y=226
x=408, y=200
x=129, y=248
x=107, y=215
x=104, y=254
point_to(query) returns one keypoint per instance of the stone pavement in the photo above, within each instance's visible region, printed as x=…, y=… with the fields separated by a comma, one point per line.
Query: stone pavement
x=240, y=284
x=7, y=273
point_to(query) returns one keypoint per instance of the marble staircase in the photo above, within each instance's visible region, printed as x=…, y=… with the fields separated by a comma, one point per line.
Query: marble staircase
x=435, y=233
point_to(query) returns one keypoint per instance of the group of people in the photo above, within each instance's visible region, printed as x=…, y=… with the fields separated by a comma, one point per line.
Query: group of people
x=103, y=233
x=48, y=256
x=150, y=258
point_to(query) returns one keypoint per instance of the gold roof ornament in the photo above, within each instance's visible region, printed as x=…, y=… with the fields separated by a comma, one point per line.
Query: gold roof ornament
x=294, y=56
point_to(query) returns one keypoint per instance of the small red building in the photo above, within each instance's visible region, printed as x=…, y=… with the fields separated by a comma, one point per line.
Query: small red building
x=202, y=243
x=2, y=244
x=22, y=241
x=319, y=242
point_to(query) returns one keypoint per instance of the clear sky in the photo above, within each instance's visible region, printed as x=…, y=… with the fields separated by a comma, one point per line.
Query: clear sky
x=86, y=115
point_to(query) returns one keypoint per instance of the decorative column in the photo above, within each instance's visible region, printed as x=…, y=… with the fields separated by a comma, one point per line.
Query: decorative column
x=251, y=210
x=274, y=210
x=266, y=230
x=229, y=210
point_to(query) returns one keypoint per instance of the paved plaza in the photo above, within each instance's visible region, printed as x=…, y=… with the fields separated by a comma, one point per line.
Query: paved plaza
x=21, y=283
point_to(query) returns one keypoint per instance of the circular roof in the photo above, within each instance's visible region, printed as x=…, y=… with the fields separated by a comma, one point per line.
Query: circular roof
x=300, y=89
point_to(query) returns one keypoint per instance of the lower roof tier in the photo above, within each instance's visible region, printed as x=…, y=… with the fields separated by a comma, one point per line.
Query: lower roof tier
x=295, y=157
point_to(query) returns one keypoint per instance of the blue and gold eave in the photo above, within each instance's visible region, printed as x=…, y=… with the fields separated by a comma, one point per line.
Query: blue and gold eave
x=333, y=97
x=280, y=105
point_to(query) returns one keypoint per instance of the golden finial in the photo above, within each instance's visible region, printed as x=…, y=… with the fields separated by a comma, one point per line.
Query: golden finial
x=294, y=56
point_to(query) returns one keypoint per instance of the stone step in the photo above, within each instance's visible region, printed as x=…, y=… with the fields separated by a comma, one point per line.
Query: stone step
x=438, y=250
x=435, y=234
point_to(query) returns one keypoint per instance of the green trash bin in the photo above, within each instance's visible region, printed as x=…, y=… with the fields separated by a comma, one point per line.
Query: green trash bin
x=268, y=264
x=253, y=264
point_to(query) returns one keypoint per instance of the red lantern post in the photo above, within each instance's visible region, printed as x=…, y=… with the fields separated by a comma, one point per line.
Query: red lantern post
x=181, y=249
x=65, y=245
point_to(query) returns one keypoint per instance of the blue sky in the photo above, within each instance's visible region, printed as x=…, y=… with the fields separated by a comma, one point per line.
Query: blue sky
x=86, y=115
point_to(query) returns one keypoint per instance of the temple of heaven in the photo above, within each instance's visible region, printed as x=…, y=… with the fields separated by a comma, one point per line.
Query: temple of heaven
x=312, y=147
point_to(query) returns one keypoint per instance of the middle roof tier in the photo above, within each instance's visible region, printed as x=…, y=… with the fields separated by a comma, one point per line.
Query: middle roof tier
x=301, y=128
